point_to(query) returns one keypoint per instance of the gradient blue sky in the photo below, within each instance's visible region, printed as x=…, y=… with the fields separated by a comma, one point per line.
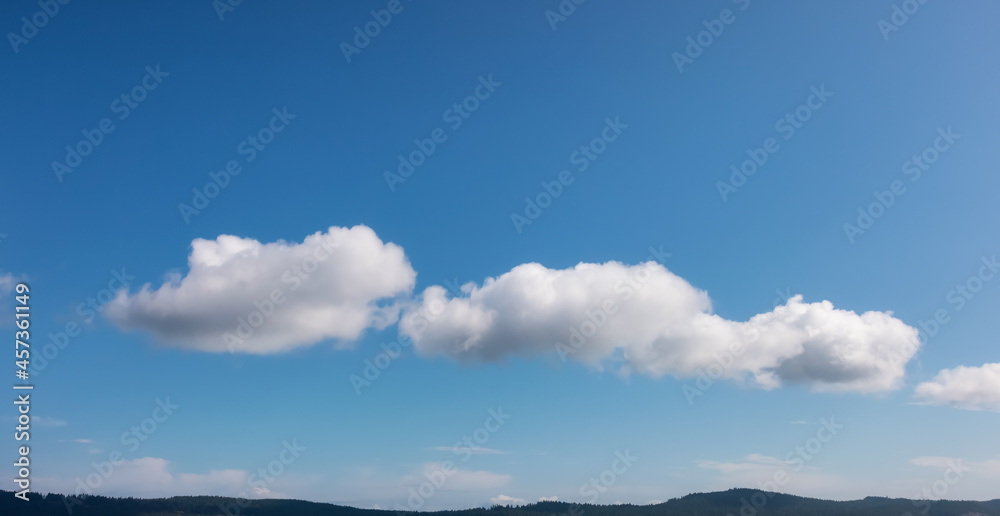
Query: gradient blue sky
x=654, y=186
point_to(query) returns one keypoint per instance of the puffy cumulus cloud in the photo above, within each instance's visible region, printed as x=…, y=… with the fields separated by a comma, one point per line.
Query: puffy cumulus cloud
x=971, y=388
x=656, y=323
x=244, y=296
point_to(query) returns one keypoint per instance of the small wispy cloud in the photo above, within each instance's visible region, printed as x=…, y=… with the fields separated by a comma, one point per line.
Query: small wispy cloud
x=47, y=421
x=476, y=450
x=85, y=441
x=6, y=283
x=507, y=500
x=752, y=462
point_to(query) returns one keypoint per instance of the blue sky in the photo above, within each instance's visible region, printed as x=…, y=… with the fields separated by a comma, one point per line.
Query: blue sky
x=554, y=85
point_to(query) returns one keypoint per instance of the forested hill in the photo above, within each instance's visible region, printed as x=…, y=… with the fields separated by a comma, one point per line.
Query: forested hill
x=742, y=502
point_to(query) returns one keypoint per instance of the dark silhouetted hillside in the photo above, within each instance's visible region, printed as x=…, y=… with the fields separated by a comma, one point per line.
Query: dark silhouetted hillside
x=736, y=502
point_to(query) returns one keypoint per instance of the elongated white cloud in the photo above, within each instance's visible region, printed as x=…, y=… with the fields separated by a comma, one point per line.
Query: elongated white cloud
x=244, y=296
x=47, y=421
x=971, y=388
x=507, y=500
x=451, y=478
x=150, y=477
x=656, y=323
x=791, y=474
x=479, y=450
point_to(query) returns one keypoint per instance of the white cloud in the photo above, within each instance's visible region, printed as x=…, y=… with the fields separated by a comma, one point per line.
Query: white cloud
x=332, y=285
x=507, y=500
x=971, y=388
x=549, y=499
x=640, y=318
x=657, y=323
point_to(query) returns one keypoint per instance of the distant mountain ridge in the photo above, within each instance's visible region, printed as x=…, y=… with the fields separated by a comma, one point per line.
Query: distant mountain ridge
x=735, y=502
